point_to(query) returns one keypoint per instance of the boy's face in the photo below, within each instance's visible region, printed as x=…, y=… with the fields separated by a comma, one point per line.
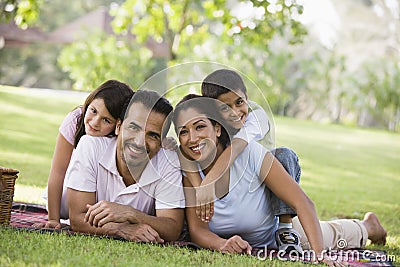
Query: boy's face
x=234, y=108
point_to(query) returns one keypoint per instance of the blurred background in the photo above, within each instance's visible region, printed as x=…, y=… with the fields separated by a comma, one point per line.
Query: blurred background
x=332, y=61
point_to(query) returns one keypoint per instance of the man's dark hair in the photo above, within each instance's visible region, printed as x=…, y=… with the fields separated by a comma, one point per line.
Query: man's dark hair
x=154, y=102
x=222, y=81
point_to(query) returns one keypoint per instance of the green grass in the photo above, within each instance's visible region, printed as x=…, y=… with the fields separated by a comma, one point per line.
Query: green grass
x=346, y=171
x=29, y=125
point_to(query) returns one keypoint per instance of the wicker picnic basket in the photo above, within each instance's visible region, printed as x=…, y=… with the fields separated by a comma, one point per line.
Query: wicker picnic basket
x=7, y=183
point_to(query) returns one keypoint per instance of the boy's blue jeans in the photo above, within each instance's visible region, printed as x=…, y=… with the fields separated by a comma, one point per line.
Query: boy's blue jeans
x=290, y=162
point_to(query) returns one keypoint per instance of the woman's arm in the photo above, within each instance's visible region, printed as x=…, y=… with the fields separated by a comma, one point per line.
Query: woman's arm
x=201, y=234
x=61, y=158
x=279, y=181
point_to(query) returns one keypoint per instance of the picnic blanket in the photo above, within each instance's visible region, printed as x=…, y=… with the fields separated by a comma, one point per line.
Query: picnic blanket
x=25, y=215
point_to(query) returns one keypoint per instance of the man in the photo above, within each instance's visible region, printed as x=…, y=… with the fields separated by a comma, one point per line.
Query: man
x=128, y=186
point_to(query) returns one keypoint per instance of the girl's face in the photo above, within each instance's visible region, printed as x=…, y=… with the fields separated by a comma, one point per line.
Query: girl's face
x=98, y=121
x=197, y=135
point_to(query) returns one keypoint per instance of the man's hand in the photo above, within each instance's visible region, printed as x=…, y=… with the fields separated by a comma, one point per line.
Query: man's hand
x=139, y=232
x=104, y=212
x=205, y=202
x=236, y=245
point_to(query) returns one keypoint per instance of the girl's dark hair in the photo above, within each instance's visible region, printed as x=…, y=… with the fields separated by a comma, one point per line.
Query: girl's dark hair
x=207, y=106
x=114, y=94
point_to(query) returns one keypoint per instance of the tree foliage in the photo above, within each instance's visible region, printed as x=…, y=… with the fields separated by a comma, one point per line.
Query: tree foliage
x=101, y=57
x=24, y=12
x=261, y=38
x=379, y=91
x=183, y=24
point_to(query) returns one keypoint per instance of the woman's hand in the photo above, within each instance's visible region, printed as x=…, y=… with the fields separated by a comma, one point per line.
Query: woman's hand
x=236, y=245
x=324, y=258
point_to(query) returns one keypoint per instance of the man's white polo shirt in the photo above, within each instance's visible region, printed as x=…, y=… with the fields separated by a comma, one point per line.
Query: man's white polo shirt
x=93, y=168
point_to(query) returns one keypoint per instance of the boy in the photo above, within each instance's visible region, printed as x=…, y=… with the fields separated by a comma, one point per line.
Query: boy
x=249, y=122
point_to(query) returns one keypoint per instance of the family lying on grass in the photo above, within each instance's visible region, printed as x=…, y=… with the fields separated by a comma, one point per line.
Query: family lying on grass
x=114, y=172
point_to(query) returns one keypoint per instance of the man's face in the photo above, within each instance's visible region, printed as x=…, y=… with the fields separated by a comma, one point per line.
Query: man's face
x=234, y=108
x=140, y=137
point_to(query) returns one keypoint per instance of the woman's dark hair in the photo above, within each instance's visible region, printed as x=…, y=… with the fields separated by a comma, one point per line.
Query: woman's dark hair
x=206, y=106
x=114, y=94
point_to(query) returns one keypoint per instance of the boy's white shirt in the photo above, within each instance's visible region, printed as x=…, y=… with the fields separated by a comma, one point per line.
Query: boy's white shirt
x=256, y=127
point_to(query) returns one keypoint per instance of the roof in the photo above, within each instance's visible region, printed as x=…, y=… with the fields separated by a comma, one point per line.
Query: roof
x=15, y=36
x=97, y=20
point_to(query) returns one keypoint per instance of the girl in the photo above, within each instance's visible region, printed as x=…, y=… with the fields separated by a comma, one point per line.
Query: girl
x=97, y=117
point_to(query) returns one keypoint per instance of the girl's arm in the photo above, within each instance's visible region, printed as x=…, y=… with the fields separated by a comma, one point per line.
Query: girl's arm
x=61, y=157
x=279, y=181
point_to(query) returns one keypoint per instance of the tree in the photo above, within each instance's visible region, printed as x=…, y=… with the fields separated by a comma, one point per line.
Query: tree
x=101, y=57
x=24, y=12
x=379, y=93
x=35, y=65
x=183, y=24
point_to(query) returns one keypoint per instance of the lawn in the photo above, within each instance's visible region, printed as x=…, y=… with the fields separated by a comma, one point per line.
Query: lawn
x=346, y=171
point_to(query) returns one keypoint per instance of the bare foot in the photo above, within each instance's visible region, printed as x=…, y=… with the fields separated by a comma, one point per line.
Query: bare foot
x=376, y=232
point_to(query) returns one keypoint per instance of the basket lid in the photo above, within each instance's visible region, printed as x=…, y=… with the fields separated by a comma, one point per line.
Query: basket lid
x=8, y=170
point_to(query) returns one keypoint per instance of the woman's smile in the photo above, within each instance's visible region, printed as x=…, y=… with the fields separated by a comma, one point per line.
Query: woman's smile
x=198, y=148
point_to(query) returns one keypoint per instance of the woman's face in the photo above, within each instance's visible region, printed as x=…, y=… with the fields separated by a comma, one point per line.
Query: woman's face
x=197, y=135
x=98, y=121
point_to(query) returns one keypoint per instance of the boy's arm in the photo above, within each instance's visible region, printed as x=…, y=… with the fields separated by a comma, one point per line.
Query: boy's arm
x=190, y=168
x=205, y=194
x=256, y=126
x=224, y=161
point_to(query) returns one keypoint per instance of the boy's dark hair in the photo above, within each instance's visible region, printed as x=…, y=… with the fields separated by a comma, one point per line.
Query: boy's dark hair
x=114, y=93
x=154, y=102
x=221, y=82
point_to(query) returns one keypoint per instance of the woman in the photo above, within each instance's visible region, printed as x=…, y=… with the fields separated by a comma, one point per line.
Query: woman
x=97, y=117
x=243, y=216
